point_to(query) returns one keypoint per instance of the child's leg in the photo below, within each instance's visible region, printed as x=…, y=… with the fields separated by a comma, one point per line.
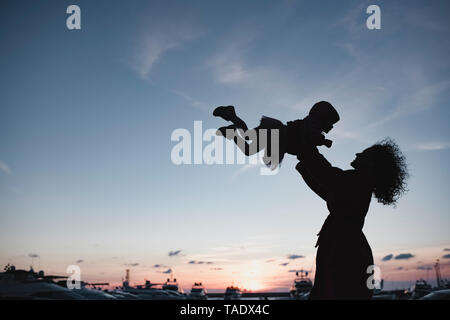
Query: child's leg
x=228, y=113
x=248, y=148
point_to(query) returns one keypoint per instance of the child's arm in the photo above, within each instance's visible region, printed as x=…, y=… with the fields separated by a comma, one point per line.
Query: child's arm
x=318, y=139
x=327, y=143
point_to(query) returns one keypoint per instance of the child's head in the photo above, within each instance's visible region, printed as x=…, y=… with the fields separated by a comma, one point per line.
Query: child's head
x=324, y=115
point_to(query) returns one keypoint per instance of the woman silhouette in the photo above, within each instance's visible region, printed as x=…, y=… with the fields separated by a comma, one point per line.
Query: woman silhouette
x=343, y=254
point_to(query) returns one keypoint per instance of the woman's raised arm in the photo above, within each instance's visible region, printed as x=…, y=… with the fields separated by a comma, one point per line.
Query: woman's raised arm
x=317, y=172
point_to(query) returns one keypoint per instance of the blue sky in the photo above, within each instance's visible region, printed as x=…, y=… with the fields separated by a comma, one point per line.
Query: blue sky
x=86, y=118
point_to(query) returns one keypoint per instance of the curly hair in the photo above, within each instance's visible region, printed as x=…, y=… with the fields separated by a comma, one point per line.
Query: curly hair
x=390, y=172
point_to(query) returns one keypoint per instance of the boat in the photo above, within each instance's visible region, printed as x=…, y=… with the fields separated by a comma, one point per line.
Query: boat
x=122, y=295
x=301, y=287
x=232, y=293
x=89, y=293
x=437, y=295
x=171, y=285
x=148, y=291
x=420, y=289
x=198, y=292
x=29, y=285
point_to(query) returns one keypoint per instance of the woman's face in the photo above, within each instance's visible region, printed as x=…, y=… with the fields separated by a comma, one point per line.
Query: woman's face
x=363, y=160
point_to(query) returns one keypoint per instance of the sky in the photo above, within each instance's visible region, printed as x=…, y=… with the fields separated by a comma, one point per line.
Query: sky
x=87, y=116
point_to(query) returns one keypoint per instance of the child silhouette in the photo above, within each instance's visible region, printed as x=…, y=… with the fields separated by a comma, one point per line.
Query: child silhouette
x=321, y=118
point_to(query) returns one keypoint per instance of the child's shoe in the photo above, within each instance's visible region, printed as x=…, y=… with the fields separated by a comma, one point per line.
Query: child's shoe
x=225, y=112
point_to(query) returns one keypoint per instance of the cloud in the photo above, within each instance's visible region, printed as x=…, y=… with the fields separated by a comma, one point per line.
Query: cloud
x=294, y=256
x=270, y=260
x=299, y=270
x=193, y=102
x=447, y=249
x=231, y=72
x=284, y=264
x=352, y=19
x=233, y=62
x=231, y=252
x=387, y=258
x=200, y=262
x=33, y=255
x=404, y=256
x=159, y=266
x=216, y=269
x=369, y=104
x=4, y=168
x=174, y=253
x=161, y=36
x=246, y=167
x=425, y=268
x=167, y=271
x=423, y=96
x=433, y=146
x=267, y=84
x=227, y=64
x=135, y=264
x=399, y=268
x=79, y=261
x=447, y=256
